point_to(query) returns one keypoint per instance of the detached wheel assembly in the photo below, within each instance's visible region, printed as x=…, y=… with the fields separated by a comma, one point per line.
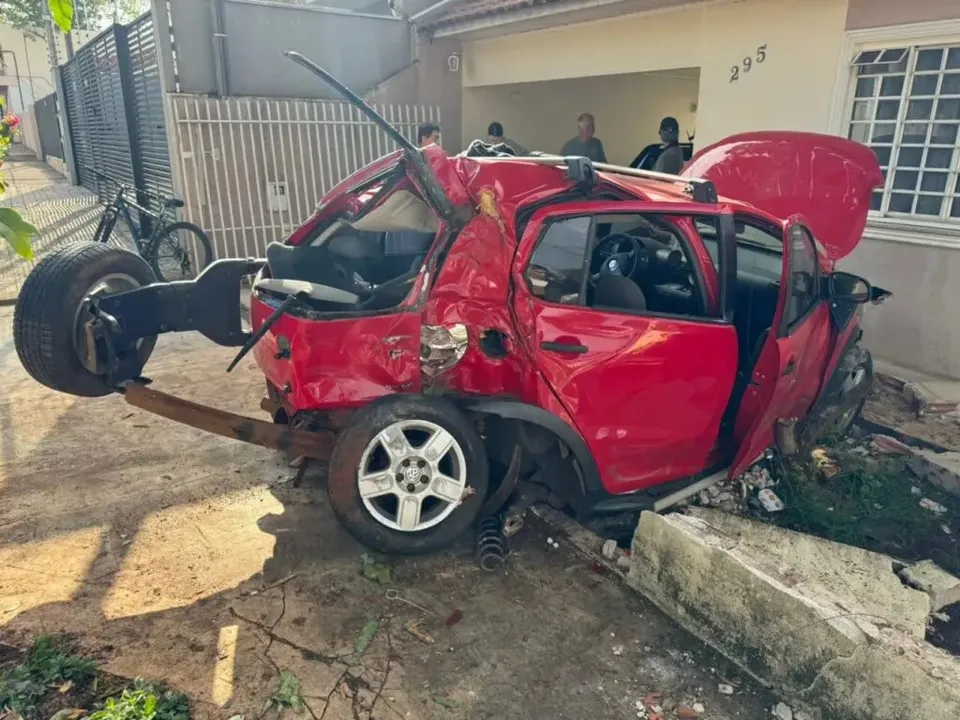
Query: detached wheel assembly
x=408, y=475
x=49, y=320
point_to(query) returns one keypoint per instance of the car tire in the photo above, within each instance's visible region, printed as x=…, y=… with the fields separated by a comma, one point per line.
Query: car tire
x=45, y=321
x=353, y=447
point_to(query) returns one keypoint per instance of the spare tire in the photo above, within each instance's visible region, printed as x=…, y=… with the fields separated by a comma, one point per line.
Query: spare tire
x=47, y=323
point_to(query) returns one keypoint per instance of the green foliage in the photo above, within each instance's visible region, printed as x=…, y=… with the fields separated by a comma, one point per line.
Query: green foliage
x=17, y=231
x=62, y=13
x=376, y=571
x=28, y=15
x=870, y=503
x=366, y=635
x=144, y=701
x=287, y=694
x=49, y=662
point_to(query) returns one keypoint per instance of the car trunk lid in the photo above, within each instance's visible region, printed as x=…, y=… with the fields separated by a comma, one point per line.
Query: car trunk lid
x=828, y=180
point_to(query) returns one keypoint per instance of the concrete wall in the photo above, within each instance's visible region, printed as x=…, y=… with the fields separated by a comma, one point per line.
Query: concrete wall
x=32, y=59
x=791, y=88
x=361, y=50
x=628, y=110
x=880, y=13
x=429, y=81
x=919, y=327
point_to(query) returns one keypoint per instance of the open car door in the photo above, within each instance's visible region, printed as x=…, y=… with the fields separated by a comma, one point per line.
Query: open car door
x=788, y=373
x=824, y=185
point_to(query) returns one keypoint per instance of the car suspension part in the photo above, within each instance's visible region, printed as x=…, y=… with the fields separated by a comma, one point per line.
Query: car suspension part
x=491, y=544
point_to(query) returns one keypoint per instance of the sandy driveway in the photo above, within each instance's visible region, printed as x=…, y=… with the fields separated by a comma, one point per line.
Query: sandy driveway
x=152, y=542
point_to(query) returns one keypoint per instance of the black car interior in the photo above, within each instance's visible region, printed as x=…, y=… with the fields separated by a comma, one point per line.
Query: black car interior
x=356, y=265
x=642, y=263
x=759, y=268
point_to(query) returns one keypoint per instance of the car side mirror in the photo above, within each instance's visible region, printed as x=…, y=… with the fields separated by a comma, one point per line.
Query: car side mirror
x=847, y=287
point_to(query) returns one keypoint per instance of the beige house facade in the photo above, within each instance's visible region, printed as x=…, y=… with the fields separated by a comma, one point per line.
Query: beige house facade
x=883, y=72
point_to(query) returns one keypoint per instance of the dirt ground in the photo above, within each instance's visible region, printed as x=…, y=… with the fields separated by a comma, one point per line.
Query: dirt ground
x=888, y=406
x=154, y=543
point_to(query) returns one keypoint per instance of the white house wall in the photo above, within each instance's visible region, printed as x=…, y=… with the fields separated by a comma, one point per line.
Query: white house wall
x=791, y=88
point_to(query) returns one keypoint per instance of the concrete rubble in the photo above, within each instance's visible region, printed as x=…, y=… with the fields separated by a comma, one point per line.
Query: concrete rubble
x=941, y=469
x=942, y=587
x=829, y=626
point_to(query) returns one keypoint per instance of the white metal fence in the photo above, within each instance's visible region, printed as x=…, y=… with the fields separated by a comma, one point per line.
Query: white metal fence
x=253, y=169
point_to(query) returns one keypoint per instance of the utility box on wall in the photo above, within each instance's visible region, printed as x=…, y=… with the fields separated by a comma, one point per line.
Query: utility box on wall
x=277, y=198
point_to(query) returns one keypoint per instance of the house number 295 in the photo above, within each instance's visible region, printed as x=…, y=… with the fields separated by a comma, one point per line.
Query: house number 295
x=747, y=63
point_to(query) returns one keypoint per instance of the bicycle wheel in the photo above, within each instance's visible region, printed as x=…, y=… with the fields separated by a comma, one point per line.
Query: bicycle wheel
x=180, y=252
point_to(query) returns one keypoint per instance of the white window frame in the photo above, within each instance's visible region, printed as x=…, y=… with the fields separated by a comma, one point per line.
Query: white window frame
x=914, y=230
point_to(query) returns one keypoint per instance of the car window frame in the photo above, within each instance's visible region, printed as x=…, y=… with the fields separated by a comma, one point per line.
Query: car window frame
x=788, y=326
x=695, y=268
x=581, y=295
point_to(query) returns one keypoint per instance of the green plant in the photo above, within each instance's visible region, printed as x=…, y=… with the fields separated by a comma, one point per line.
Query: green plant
x=144, y=700
x=49, y=663
x=287, y=694
x=872, y=502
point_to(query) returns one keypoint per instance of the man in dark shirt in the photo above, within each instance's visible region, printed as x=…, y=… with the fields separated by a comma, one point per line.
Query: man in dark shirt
x=495, y=136
x=585, y=144
x=671, y=157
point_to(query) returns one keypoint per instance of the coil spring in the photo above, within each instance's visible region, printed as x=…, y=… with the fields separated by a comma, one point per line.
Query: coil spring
x=491, y=544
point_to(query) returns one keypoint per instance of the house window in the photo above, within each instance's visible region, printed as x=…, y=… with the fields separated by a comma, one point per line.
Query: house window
x=906, y=107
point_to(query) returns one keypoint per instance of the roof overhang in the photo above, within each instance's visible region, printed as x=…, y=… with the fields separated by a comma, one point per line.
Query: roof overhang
x=540, y=16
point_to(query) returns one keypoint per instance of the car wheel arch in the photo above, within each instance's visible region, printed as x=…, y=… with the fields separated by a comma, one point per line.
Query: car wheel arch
x=589, y=473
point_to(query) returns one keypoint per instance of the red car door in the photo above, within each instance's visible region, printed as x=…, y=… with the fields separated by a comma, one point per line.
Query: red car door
x=789, y=371
x=646, y=388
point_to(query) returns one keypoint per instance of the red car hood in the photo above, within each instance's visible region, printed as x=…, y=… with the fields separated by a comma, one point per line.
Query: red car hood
x=828, y=180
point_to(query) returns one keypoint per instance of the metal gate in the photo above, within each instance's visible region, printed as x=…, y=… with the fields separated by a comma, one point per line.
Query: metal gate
x=48, y=127
x=253, y=169
x=114, y=106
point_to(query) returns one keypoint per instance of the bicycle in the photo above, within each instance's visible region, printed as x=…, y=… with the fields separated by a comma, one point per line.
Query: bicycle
x=166, y=247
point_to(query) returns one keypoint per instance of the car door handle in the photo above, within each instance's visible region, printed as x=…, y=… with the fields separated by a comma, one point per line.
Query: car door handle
x=563, y=347
x=791, y=366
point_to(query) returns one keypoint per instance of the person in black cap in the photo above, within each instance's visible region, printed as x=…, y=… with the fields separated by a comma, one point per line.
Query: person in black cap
x=671, y=157
x=495, y=136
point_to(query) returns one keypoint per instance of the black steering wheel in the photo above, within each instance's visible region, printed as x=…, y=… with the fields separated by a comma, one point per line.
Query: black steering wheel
x=616, y=260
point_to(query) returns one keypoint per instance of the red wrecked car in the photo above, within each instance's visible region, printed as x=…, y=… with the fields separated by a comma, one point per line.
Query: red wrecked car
x=459, y=335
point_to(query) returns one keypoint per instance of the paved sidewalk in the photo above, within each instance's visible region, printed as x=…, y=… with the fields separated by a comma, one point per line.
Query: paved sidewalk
x=61, y=211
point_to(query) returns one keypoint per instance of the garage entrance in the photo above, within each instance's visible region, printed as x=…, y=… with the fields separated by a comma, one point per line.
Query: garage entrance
x=627, y=107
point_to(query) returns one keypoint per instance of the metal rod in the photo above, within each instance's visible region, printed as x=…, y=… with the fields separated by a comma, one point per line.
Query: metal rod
x=680, y=495
x=304, y=443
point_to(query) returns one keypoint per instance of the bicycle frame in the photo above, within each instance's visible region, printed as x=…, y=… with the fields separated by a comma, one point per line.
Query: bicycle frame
x=120, y=208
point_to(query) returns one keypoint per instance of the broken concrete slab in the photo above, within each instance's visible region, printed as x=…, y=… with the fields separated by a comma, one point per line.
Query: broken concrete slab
x=829, y=569
x=829, y=626
x=940, y=468
x=942, y=587
x=933, y=397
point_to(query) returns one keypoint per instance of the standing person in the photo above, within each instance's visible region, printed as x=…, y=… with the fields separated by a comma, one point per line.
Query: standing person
x=428, y=134
x=671, y=154
x=585, y=144
x=495, y=136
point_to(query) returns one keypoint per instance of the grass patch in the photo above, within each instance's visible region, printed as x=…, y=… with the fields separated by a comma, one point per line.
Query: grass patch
x=51, y=665
x=870, y=503
x=51, y=680
x=144, y=701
